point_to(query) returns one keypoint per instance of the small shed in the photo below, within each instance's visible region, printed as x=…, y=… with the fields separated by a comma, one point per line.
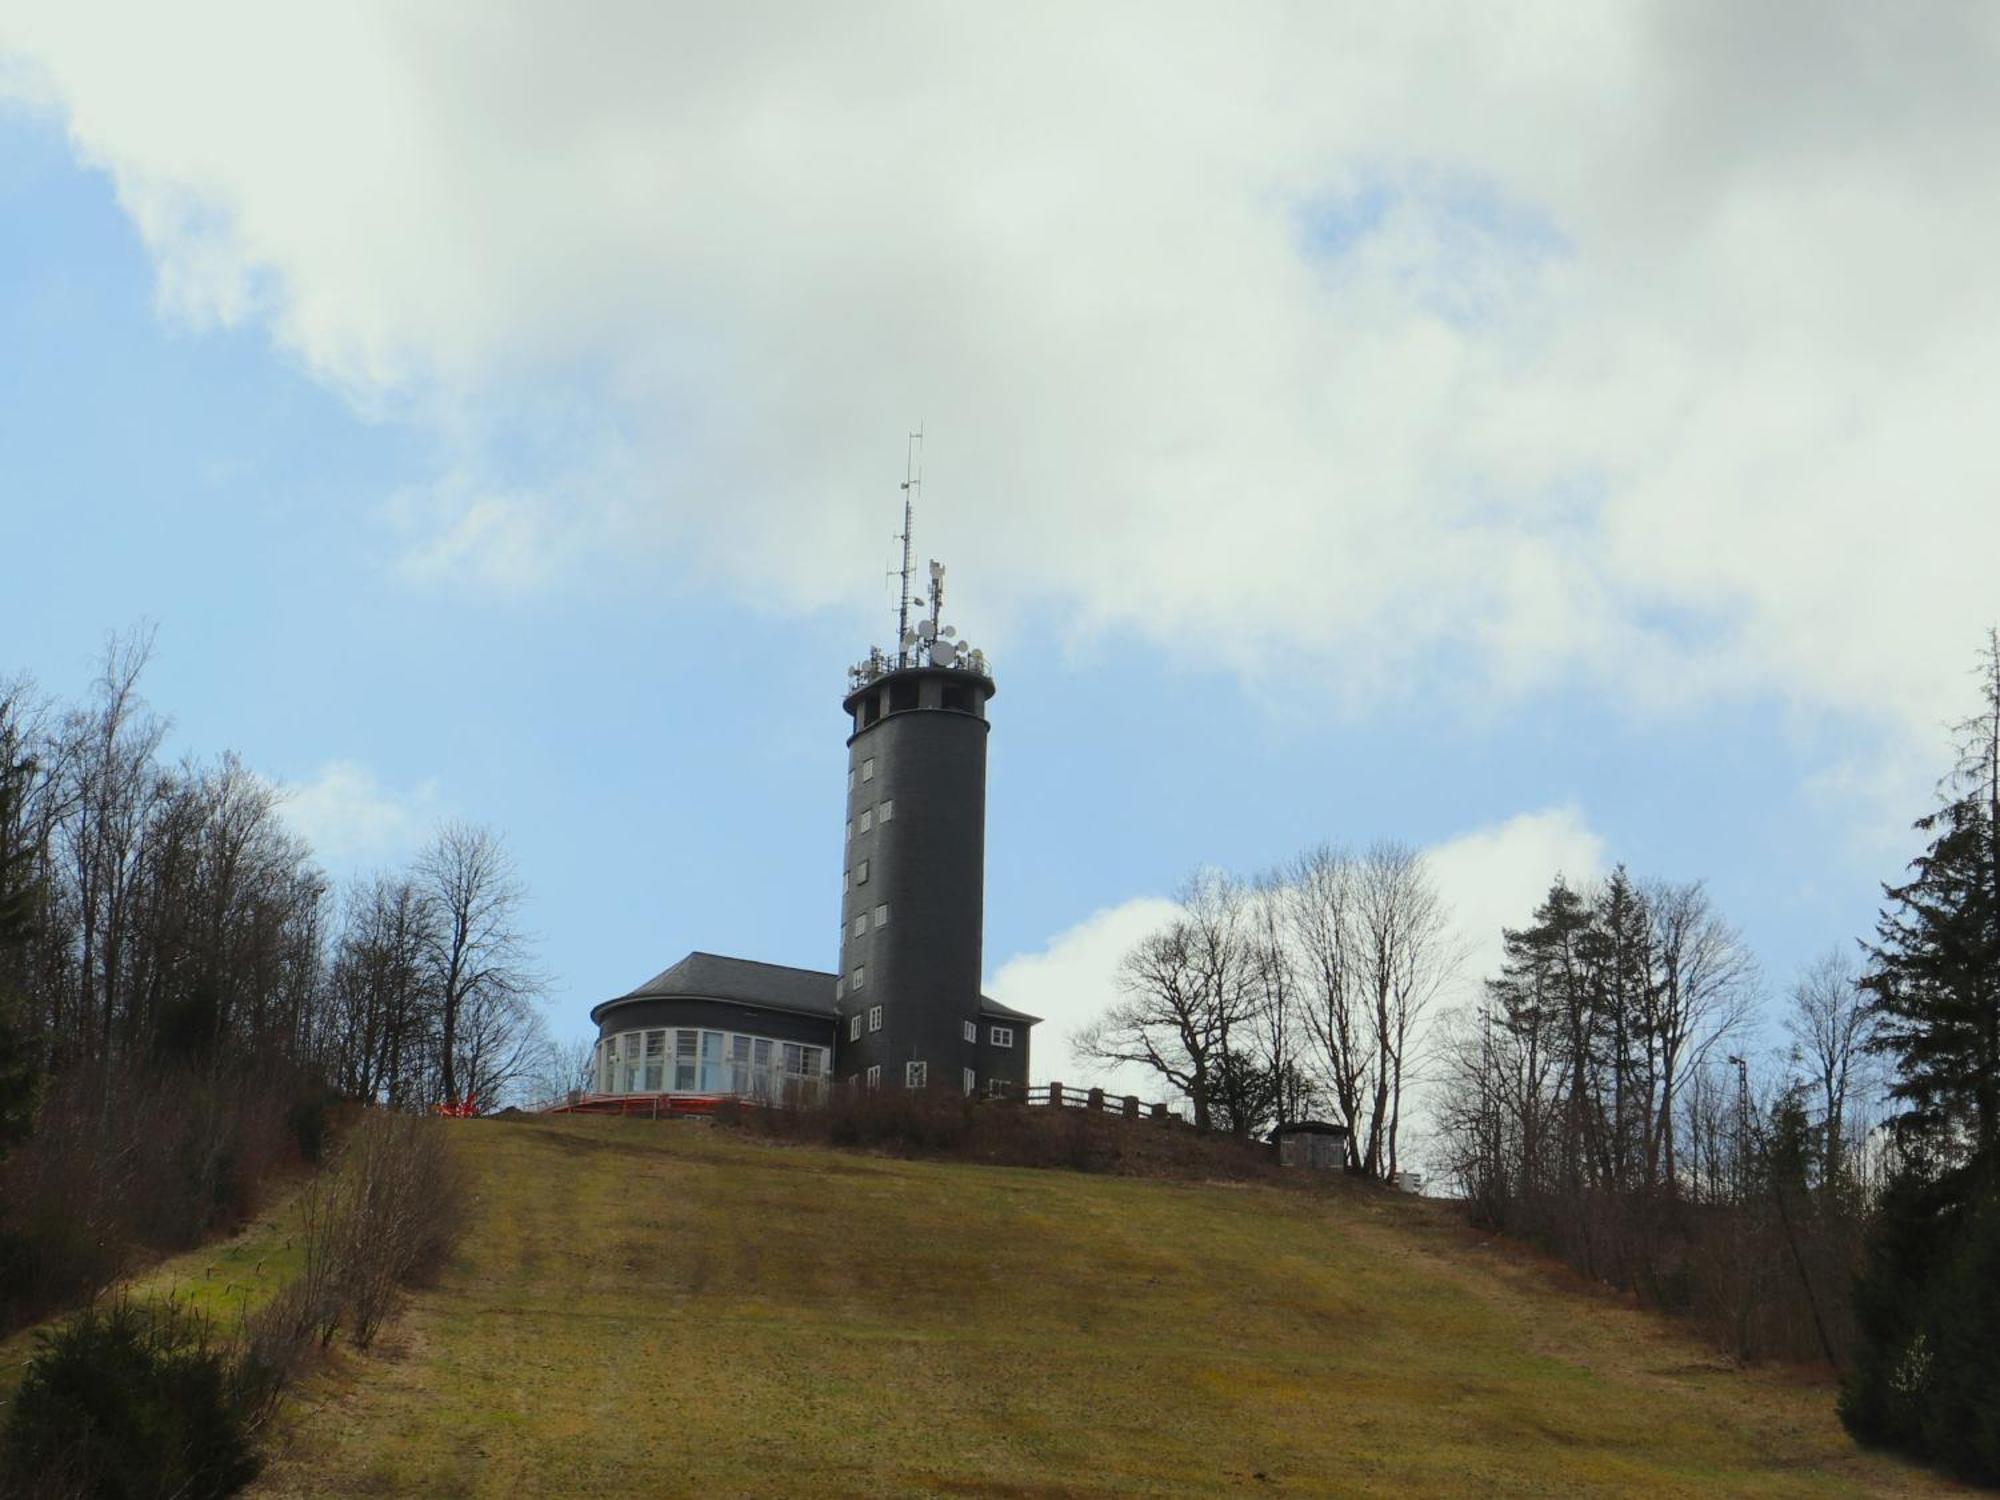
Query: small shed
x=1318, y=1144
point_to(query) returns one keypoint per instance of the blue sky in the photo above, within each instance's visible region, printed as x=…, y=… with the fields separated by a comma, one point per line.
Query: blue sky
x=592, y=574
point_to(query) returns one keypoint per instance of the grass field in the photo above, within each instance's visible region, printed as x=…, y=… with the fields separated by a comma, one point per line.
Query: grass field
x=661, y=1309
x=223, y=1280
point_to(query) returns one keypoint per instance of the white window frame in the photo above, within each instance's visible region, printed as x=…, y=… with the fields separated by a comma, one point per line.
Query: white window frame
x=971, y=1081
x=854, y=1027
x=874, y=1018
x=881, y=915
x=1001, y=1036
x=886, y=811
x=867, y=820
x=874, y=1075
x=839, y=986
x=868, y=769
x=916, y=1073
x=858, y=978
x=860, y=923
x=972, y=1031
x=861, y=873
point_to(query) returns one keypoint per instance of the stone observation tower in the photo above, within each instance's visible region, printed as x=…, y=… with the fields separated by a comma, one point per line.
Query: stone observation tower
x=914, y=866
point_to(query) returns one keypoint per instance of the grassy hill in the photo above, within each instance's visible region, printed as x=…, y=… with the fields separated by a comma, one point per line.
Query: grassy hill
x=660, y=1309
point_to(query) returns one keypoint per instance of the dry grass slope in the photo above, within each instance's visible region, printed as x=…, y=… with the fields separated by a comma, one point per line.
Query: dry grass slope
x=658, y=1309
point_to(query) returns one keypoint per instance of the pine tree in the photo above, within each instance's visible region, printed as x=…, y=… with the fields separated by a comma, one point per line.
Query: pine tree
x=1927, y=1373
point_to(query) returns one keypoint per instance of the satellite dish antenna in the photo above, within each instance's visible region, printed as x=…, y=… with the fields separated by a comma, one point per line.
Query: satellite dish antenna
x=909, y=639
x=944, y=653
x=949, y=631
x=925, y=629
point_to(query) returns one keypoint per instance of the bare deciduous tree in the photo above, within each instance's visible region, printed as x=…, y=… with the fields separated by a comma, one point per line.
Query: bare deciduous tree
x=1829, y=1025
x=480, y=977
x=1187, y=990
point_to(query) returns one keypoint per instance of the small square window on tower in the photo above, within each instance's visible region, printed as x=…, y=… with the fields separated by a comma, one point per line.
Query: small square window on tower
x=874, y=1018
x=850, y=778
x=968, y=1079
x=850, y=830
x=861, y=873
x=868, y=769
x=846, y=882
x=882, y=915
x=887, y=809
x=859, y=976
x=972, y=1031
x=913, y=1075
x=861, y=924
x=854, y=1027
x=1002, y=1036
x=875, y=1076
x=839, y=987
x=867, y=818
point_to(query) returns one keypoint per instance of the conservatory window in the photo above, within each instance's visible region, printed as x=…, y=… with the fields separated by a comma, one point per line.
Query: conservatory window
x=713, y=1079
x=656, y=1061
x=686, y=1044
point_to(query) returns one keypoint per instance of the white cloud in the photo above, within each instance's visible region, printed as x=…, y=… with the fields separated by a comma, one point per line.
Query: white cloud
x=1070, y=983
x=347, y=815
x=1491, y=878
x=1648, y=342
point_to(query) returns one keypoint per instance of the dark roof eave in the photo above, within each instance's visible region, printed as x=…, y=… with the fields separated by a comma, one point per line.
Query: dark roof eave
x=602, y=1006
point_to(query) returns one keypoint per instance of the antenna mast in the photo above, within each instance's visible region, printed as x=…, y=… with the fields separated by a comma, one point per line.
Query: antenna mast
x=913, y=484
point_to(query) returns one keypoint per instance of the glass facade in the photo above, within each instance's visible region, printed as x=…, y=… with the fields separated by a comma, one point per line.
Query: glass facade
x=681, y=1061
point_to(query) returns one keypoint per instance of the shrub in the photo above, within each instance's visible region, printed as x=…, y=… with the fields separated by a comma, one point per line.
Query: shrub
x=129, y=1402
x=946, y=1123
x=385, y=1215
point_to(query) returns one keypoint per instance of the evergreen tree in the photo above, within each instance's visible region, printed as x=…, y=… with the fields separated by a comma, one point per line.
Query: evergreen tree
x=1927, y=1373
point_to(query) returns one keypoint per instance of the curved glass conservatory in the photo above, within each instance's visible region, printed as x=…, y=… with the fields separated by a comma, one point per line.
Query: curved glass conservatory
x=695, y=1060
x=712, y=1026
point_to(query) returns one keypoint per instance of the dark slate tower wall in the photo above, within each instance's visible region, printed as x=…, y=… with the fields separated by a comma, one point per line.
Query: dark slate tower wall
x=925, y=731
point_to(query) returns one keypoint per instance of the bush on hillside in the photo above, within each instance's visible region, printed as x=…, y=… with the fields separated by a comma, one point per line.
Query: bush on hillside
x=385, y=1216
x=130, y=1402
x=946, y=1124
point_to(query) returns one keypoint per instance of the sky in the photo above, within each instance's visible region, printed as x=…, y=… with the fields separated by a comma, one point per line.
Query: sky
x=1552, y=436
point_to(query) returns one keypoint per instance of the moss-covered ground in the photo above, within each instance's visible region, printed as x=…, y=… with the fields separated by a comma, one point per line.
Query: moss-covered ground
x=661, y=1309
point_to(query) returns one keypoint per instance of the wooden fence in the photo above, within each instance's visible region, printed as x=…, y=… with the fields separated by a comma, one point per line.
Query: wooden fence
x=1068, y=1096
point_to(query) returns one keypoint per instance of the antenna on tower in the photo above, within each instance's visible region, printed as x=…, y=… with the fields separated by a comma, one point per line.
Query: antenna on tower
x=913, y=484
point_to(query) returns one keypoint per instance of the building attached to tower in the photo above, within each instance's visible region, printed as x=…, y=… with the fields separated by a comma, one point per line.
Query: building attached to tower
x=903, y=1008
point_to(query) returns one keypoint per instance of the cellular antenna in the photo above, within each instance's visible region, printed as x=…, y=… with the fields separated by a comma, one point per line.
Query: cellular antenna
x=913, y=485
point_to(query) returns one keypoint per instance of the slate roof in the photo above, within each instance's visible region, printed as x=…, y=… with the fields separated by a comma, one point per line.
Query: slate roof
x=711, y=976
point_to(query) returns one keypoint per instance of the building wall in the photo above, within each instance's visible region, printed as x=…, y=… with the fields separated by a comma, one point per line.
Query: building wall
x=715, y=1015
